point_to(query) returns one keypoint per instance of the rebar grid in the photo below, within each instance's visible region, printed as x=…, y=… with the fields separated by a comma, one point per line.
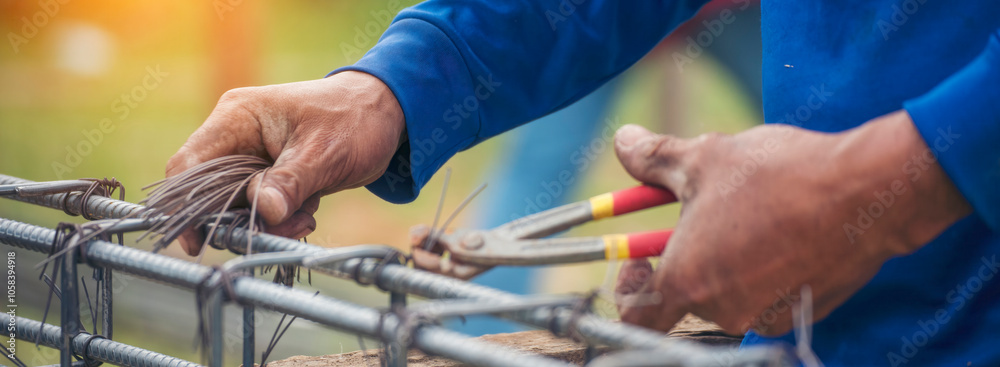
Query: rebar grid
x=99, y=349
x=332, y=312
x=393, y=278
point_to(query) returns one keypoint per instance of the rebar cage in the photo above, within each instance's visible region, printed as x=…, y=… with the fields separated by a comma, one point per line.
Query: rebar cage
x=401, y=328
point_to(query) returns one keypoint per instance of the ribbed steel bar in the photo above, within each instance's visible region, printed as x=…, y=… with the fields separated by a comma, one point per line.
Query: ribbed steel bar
x=98, y=207
x=249, y=332
x=103, y=350
x=397, y=278
x=332, y=312
x=69, y=308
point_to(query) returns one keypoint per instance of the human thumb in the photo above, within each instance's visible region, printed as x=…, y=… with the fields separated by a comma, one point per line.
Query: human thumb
x=649, y=157
x=281, y=190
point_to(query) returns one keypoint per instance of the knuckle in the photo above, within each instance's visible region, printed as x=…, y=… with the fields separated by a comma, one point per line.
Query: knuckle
x=240, y=95
x=662, y=146
x=696, y=293
x=709, y=138
x=702, y=144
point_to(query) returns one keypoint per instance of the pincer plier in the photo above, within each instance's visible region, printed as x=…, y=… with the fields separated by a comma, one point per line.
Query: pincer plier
x=522, y=241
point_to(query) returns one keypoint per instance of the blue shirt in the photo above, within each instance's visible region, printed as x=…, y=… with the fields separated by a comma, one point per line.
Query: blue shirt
x=464, y=71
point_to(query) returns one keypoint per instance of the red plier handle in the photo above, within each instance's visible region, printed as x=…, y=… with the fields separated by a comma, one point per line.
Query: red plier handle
x=633, y=245
x=636, y=245
x=629, y=200
x=555, y=220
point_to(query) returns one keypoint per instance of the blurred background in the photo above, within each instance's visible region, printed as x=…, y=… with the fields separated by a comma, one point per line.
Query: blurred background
x=112, y=89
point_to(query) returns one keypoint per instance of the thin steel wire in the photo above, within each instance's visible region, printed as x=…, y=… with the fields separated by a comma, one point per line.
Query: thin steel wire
x=437, y=213
x=209, y=187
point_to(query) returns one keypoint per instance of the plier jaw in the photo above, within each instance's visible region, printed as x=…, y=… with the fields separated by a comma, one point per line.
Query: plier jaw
x=489, y=249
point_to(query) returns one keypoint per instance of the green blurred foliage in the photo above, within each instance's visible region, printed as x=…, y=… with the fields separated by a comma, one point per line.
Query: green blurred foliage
x=72, y=72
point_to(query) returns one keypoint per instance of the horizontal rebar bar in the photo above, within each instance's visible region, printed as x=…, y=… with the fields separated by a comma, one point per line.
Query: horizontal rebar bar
x=100, y=349
x=325, y=310
x=98, y=207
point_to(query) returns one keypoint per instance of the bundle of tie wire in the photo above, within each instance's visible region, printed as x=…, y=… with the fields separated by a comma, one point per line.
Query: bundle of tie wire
x=184, y=202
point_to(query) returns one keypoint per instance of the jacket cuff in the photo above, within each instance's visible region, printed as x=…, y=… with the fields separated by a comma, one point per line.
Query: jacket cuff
x=960, y=122
x=431, y=81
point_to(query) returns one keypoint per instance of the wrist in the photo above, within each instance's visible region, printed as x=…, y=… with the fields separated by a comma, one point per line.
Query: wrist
x=900, y=182
x=378, y=100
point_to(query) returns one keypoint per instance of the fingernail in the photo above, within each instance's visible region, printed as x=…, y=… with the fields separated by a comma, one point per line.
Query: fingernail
x=273, y=205
x=628, y=135
x=419, y=232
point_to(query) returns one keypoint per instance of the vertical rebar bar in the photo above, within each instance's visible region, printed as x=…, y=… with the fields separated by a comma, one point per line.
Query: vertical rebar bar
x=249, y=329
x=215, y=327
x=69, y=310
x=107, y=307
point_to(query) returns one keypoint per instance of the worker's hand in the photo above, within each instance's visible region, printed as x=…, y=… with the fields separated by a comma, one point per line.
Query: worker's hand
x=323, y=135
x=772, y=209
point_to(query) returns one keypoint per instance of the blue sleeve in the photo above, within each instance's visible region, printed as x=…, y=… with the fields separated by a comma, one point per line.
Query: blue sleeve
x=960, y=121
x=464, y=71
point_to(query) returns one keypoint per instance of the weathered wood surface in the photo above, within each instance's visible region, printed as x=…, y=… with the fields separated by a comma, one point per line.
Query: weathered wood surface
x=536, y=342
